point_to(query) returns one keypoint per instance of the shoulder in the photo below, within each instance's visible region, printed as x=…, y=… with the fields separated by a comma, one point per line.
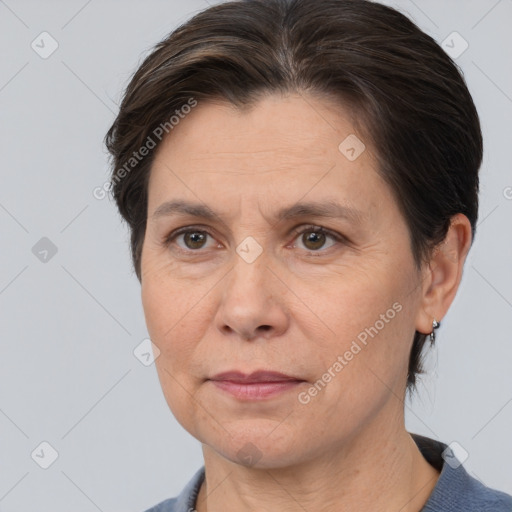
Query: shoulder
x=475, y=496
x=456, y=490
x=168, y=505
x=464, y=493
x=186, y=500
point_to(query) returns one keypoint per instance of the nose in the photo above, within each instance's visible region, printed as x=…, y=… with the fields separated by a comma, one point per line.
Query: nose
x=252, y=302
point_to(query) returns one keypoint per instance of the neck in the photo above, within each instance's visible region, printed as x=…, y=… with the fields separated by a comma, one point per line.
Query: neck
x=376, y=471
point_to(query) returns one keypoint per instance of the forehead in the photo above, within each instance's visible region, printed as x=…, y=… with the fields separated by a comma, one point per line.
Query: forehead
x=283, y=148
x=297, y=126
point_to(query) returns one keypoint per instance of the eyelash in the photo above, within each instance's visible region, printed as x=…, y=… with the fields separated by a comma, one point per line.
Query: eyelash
x=296, y=232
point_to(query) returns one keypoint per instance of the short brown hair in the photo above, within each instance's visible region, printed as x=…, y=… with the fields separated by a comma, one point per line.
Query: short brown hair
x=411, y=99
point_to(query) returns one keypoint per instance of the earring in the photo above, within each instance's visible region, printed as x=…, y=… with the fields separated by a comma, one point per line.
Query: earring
x=435, y=325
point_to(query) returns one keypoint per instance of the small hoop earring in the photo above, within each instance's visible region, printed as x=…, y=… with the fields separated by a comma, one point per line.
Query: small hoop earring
x=435, y=325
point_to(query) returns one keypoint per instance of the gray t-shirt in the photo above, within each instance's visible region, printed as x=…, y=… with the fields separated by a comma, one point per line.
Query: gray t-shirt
x=455, y=491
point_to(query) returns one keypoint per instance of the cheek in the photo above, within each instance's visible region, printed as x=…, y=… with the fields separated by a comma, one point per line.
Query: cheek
x=171, y=325
x=153, y=304
x=176, y=317
x=163, y=300
x=367, y=321
x=164, y=314
x=349, y=305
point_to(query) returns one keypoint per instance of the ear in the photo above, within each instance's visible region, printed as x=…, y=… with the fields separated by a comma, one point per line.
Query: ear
x=443, y=273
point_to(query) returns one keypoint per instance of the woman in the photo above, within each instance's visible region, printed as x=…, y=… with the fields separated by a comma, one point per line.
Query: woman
x=301, y=183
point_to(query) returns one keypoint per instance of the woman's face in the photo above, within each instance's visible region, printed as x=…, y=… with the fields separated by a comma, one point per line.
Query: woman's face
x=250, y=289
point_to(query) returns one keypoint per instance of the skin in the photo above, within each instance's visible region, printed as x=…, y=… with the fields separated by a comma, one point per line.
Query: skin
x=294, y=309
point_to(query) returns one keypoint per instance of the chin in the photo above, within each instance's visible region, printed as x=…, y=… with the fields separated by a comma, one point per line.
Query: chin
x=256, y=444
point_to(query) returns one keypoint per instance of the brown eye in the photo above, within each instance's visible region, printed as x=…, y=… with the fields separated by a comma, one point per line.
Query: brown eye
x=194, y=239
x=314, y=238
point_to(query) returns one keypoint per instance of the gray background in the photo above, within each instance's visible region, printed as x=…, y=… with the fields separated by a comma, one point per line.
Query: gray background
x=69, y=325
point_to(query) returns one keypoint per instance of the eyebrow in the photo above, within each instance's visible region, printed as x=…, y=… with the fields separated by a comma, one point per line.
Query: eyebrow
x=326, y=209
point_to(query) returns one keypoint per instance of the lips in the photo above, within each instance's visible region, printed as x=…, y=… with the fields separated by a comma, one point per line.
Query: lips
x=255, y=377
x=257, y=386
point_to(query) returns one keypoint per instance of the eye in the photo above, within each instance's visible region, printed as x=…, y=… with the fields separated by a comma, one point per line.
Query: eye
x=314, y=237
x=193, y=238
